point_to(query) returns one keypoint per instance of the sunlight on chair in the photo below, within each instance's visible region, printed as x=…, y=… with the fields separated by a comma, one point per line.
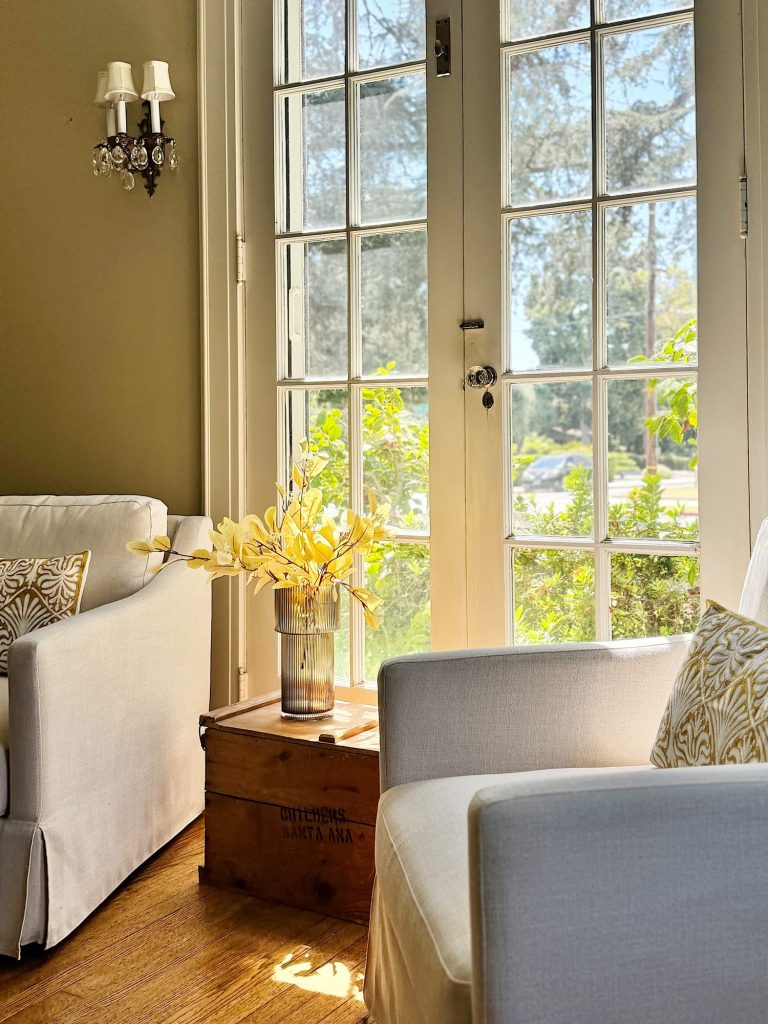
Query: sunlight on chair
x=331, y=979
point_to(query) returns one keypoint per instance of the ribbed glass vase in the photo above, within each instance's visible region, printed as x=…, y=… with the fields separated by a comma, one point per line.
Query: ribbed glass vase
x=306, y=623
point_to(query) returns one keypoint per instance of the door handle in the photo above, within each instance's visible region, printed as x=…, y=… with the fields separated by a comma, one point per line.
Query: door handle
x=481, y=377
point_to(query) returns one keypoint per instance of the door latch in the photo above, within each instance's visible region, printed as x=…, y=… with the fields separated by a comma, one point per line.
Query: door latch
x=442, y=47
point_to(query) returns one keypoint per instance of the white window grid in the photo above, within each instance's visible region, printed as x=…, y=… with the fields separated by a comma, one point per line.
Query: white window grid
x=601, y=546
x=289, y=431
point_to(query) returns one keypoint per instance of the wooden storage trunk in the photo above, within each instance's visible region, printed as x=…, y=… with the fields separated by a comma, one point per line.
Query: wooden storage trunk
x=290, y=818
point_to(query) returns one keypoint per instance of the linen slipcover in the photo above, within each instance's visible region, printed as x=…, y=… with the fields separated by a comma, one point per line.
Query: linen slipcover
x=594, y=892
x=620, y=896
x=3, y=745
x=36, y=526
x=421, y=903
x=105, y=761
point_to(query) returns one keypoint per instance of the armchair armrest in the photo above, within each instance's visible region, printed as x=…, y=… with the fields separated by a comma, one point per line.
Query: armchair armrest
x=523, y=708
x=621, y=895
x=94, y=696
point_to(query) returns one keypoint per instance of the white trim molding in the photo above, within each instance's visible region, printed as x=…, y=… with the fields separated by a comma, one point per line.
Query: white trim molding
x=222, y=317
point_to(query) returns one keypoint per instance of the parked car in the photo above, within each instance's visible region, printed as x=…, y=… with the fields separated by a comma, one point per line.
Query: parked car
x=549, y=471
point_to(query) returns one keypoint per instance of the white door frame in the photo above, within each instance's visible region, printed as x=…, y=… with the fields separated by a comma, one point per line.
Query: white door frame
x=724, y=479
x=756, y=168
x=222, y=318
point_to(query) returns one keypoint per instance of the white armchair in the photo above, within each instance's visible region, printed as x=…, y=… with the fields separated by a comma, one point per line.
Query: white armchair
x=526, y=873
x=99, y=714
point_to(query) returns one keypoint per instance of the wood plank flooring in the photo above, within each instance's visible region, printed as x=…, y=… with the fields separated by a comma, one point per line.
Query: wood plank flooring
x=165, y=950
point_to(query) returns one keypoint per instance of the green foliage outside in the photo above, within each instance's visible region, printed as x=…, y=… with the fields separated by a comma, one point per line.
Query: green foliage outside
x=676, y=396
x=651, y=595
x=396, y=468
x=554, y=590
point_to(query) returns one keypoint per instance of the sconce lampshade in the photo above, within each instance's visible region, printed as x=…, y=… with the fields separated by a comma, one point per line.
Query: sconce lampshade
x=120, y=85
x=157, y=81
x=101, y=90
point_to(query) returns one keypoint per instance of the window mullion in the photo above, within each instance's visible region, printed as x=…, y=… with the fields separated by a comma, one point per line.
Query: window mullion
x=351, y=21
x=599, y=351
x=354, y=336
x=600, y=525
x=602, y=594
x=356, y=621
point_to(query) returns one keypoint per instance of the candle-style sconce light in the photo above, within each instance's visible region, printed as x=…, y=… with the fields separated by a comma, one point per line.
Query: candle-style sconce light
x=124, y=154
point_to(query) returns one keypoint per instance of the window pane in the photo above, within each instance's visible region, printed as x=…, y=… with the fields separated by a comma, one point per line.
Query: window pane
x=549, y=135
x=393, y=314
x=396, y=453
x=550, y=291
x=321, y=417
x=399, y=574
x=552, y=459
x=619, y=10
x=393, y=149
x=654, y=595
x=389, y=32
x=528, y=18
x=554, y=596
x=651, y=281
x=314, y=291
x=313, y=36
x=313, y=155
x=650, y=108
x=653, y=482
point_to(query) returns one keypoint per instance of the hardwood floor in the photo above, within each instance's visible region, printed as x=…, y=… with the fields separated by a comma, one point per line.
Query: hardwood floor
x=165, y=950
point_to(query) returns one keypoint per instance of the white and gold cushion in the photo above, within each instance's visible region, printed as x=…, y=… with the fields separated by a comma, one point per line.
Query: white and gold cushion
x=718, y=710
x=35, y=592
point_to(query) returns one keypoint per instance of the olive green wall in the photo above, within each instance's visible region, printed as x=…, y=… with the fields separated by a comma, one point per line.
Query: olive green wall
x=99, y=288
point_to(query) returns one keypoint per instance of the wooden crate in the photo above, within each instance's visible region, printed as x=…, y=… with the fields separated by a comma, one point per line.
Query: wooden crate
x=289, y=818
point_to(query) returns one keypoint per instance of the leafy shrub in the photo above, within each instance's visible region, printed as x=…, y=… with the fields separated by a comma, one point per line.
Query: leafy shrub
x=650, y=594
x=396, y=455
x=554, y=589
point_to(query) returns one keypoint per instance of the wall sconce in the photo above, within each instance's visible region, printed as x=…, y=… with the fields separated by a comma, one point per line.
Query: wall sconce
x=121, y=152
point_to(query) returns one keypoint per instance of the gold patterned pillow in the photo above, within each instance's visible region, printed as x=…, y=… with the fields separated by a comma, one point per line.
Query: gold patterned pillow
x=35, y=592
x=718, y=710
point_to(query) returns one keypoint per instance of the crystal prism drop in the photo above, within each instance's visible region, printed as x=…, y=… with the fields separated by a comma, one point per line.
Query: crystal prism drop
x=128, y=180
x=173, y=160
x=158, y=156
x=118, y=157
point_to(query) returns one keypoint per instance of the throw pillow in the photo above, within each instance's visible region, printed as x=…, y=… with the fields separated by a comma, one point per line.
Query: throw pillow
x=718, y=710
x=35, y=592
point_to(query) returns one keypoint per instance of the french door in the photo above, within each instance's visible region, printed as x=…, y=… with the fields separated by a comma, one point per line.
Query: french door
x=553, y=218
x=604, y=257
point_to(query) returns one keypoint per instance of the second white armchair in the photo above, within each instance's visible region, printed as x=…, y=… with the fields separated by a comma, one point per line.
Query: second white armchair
x=532, y=868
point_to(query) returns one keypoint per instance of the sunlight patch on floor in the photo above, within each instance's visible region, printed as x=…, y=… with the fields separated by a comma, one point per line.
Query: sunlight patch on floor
x=330, y=979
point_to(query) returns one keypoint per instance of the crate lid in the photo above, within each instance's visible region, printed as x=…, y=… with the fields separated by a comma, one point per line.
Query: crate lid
x=351, y=727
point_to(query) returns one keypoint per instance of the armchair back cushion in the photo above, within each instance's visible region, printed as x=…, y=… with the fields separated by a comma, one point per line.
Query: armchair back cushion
x=754, y=596
x=36, y=526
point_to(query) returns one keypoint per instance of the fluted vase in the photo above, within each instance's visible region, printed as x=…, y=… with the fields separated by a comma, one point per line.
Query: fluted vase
x=306, y=623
